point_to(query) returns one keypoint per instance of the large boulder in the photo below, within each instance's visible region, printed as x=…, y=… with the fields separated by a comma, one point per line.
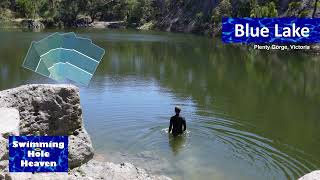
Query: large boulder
x=52, y=110
x=314, y=175
x=35, y=25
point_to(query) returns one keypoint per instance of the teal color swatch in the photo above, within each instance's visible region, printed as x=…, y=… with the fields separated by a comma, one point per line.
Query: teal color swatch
x=63, y=57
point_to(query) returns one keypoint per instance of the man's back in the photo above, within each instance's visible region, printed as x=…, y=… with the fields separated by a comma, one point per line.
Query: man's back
x=176, y=123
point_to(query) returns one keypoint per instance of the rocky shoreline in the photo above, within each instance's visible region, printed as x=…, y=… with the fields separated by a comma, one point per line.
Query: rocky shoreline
x=55, y=110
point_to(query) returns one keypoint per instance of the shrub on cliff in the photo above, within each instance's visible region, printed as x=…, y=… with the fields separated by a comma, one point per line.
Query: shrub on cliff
x=268, y=10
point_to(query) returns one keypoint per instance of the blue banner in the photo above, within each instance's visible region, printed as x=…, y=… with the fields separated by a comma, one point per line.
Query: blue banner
x=271, y=30
x=38, y=153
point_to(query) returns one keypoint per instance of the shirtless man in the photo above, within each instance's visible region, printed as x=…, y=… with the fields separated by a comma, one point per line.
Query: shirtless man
x=176, y=123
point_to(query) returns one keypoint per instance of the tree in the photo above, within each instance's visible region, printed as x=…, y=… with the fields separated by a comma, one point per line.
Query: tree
x=222, y=10
x=135, y=11
x=28, y=8
x=95, y=8
x=4, y=4
x=268, y=10
x=70, y=9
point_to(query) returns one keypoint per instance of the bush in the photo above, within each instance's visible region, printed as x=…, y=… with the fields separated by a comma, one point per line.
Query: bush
x=294, y=5
x=304, y=13
x=268, y=10
x=28, y=8
x=222, y=10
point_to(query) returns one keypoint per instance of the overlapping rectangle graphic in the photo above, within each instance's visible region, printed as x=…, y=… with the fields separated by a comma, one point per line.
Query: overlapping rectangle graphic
x=58, y=54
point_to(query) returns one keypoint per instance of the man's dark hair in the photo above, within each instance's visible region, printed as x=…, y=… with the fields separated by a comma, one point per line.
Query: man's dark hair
x=177, y=109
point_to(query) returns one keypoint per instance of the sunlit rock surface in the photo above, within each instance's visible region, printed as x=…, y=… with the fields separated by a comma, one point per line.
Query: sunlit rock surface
x=314, y=175
x=94, y=170
x=9, y=121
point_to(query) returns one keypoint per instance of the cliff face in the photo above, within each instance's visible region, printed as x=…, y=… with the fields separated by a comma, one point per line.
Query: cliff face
x=283, y=5
x=187, y=16
x=303, y=8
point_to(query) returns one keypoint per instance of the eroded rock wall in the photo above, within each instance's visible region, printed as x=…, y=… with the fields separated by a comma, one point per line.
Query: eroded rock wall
x=52, y=110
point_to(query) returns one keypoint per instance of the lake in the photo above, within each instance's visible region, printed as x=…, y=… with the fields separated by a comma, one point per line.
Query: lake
x=250, y=114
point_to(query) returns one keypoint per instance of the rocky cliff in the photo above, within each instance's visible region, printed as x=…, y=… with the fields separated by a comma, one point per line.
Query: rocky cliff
x=204, y=17
x=55, y=110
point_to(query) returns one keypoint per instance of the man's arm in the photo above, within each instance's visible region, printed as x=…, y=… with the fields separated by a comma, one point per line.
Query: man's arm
x=184, y=125
x=170, y=127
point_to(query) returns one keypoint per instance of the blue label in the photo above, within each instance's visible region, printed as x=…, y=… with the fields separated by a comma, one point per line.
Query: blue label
x=271, y=30
x=38, y=153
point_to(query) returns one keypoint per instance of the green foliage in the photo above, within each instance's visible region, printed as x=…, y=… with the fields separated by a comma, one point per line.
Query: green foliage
x=135, y=11
x=223, y=10
x=241, y=8
x=304, y=13
x=28, y=8
x=294, y=5
x=113, y=10
x=199, y=16
x=5, y=14
x=70, y=9
x=268, y=10
x=4, y=4
x=141, y=11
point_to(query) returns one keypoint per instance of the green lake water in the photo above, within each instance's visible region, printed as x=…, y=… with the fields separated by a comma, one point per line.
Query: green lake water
x=250, y=115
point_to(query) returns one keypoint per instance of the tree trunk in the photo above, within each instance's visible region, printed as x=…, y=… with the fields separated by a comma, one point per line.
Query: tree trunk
x=93, y=17
x=315, y=8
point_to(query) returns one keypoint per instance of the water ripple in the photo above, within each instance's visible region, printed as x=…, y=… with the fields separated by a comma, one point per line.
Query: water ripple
x=257, y=150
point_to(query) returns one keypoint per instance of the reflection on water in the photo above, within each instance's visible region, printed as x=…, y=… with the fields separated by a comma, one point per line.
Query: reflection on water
x=250, y=115
x=177, y=142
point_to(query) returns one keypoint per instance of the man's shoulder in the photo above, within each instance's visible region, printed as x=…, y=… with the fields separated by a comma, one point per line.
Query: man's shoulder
x=177, y=117
x=181, y=118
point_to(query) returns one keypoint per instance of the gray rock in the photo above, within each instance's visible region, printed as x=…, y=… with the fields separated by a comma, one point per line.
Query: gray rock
x=51, y=110
x=4, y=153
x=9, y=120
x=110, y=171
x=4, y=166
x=94, y=170
x=35, y=25
x=39, y=176
x=80, y=149
x=314, y=175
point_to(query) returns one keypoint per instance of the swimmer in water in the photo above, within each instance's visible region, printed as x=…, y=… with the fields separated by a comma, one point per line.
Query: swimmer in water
x=176, y=123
